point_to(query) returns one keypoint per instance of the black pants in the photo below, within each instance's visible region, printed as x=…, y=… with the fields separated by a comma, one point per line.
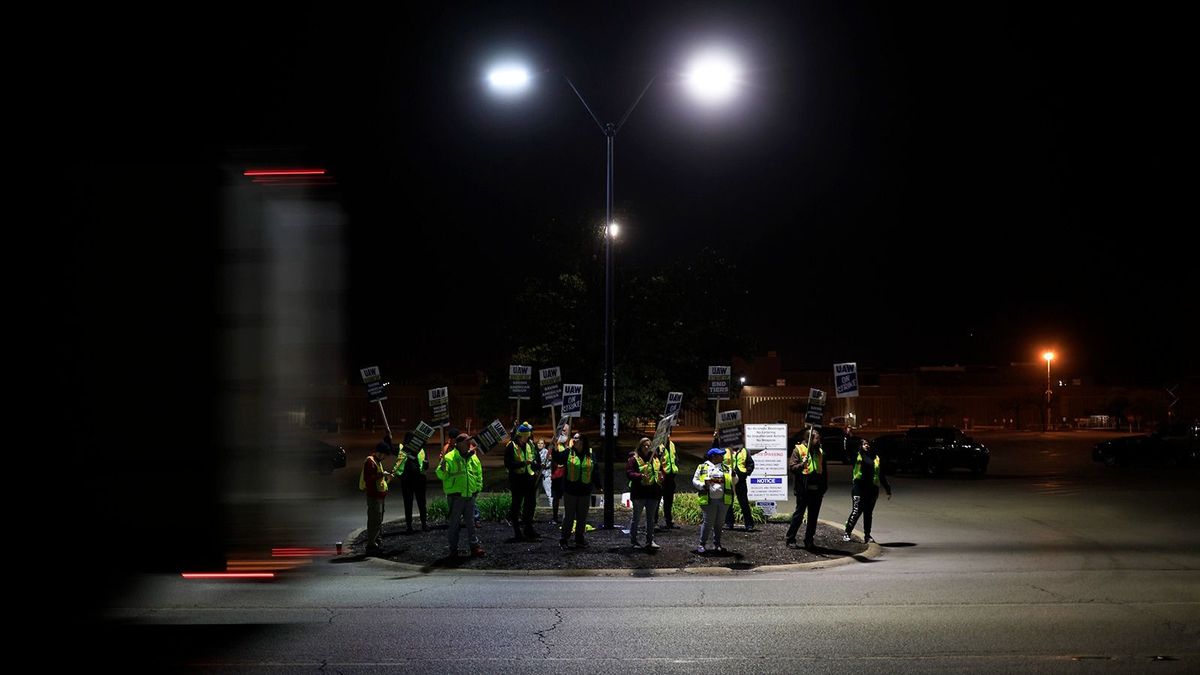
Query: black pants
x=413, y=487
x=524, y=495
x=862, y=503
x=739, y=492
x=668, y=497
x=808, y=501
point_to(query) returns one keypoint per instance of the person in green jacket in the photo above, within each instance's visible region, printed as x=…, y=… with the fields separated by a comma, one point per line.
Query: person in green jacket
x=462, y=479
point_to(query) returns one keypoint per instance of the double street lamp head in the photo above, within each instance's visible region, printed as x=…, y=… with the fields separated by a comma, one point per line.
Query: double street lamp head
x=711, y=77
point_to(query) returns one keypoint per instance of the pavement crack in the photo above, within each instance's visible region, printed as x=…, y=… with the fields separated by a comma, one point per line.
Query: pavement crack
x=702, y=596
x=1048, y=592
x=332, y=615
x=541, y=634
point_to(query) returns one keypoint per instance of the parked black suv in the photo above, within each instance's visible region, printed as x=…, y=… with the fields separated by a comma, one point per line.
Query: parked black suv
x=932, y=450
x=1172, y=446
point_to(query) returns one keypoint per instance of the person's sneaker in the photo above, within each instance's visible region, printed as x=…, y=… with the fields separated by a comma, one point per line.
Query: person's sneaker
x=846, y=536
x=673, y=526
x=409, y=530
x=789, y=542
x=868, y=539
x=719, y=548
x=453, y=555
x=809, y=546
x=634, y=543
x=752, y=529
x=579, y=543
x=372, y=550
x=562, y=544
x=658, y=528
x=652, y=545
x=699, y=549
x=477, y=551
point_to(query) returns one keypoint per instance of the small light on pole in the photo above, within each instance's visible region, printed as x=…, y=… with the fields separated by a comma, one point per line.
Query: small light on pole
x=613, y=230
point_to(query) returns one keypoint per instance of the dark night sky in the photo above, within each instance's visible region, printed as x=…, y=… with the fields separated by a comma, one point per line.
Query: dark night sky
x=963, y=183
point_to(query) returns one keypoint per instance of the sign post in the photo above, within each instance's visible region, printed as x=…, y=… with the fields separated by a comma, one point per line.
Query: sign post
x=518, y=384
x=373, y=379
x=719, y=378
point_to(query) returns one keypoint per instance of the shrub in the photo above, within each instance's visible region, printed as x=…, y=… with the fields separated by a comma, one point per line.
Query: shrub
x=439, y=509
x=494, y=507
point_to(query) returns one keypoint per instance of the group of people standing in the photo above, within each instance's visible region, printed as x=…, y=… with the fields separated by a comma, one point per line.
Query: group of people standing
x=566, y=468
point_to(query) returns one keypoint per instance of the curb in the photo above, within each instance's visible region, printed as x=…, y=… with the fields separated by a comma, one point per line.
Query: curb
x=874, y=550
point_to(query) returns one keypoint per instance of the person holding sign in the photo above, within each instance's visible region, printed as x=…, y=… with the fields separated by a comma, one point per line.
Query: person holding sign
x=579, y=480
x=558, y=468
x=738, y=461
x=374, y=481
x=645, y=488
x=715, y=482
x=666, y=453
x=864, y=491
x=411, y=467
x=461, y=474
x=807, y=465
x=523, y=464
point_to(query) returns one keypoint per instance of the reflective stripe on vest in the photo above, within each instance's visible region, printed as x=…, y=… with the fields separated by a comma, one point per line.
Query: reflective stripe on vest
x=669, y=456
x=524, y=453
x=649, y=477
x=728, y=480
x=858, y=468
x=736, y=459
x=809, y=463
x=577, y=464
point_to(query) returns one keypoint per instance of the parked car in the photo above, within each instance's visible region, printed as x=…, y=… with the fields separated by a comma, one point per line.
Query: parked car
x=932, y=450
x=325, y=457
x=1173, y=446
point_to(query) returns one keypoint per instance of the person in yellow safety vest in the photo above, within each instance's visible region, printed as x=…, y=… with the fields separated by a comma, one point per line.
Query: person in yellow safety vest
x=411, y=468
x=666, y=452
x=738, y=459
x=864, y=490
x=807, y=466
x=523, y=464
x=581, y=477
x=374, y=481
x=645, y=480
x=461, y=474
x=715, y=483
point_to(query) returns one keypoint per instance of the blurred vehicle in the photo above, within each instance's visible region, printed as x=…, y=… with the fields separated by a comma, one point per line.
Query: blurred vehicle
x=1172, y=446
x=932, y=450
x=325, y=457
x=839, y=444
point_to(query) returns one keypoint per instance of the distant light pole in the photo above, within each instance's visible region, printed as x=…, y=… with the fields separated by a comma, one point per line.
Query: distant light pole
x=713, y=78
x=1049, y=356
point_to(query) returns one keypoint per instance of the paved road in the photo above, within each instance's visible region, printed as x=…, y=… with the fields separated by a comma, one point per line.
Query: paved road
x=1051, y=564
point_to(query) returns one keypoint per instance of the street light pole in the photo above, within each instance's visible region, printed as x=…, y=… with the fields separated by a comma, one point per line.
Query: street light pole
x=607, y=422
x=1049, y=356
x=713, y=77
